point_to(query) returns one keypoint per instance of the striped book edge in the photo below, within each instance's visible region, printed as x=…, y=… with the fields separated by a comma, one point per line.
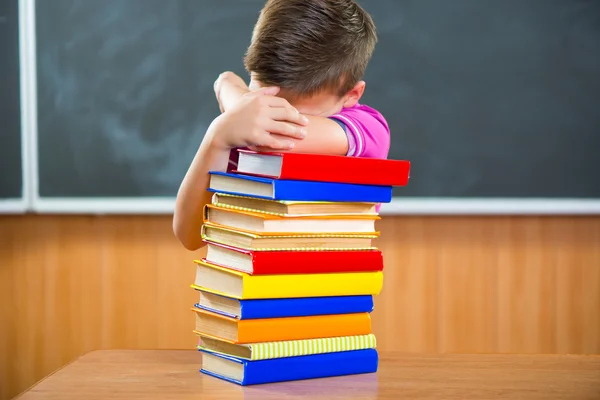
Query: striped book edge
x=283, y=215
x=307, y=249
x=304, y=347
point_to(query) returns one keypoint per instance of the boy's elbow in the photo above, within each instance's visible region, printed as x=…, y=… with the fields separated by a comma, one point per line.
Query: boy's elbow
x=184, y=235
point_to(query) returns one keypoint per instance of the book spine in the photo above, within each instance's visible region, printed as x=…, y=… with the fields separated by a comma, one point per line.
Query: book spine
x=315, y=262
x=292, y=348
x=306, y=306
x=311, y=285
x=326, y=191
x=298, y=328
x=310, y=367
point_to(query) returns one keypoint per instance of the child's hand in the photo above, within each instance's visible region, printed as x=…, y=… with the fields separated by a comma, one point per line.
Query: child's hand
x=259, y=119
x=229, y=88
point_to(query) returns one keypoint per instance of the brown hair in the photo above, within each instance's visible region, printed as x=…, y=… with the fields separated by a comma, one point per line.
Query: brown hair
x=306, y=46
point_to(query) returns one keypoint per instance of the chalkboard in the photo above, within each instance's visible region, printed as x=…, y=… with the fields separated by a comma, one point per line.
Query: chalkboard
x=11, y=180
x=493, y=98
x=488, y=99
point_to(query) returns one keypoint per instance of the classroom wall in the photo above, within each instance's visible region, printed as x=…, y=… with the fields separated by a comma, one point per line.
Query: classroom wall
x=72, y=284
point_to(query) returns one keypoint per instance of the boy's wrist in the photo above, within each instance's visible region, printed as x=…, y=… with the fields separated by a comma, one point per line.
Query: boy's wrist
x=230, y=95
x=229, y=88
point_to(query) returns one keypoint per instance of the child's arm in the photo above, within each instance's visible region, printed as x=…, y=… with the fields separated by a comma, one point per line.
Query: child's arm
x=250, y=122
x=323, y=135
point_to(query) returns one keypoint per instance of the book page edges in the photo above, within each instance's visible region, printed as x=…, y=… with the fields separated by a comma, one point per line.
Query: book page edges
x=275, y=235
x=272, y=217
x=301, y=347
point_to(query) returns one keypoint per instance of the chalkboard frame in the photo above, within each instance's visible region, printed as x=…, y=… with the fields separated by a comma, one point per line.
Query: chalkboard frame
x=155, y=205
x=22, y=204
x=13, y=206
x=398, y=206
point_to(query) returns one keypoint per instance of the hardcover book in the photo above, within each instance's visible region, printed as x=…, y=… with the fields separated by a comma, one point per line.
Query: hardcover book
x=287, y=348
x=293, y=261
x=282, y=208
x=279, y=308
x=295, y=190
x=261, y=222
x=325, y=168
x=231, y=283
x=250, y=240
x=276, y=329
x=244, y=372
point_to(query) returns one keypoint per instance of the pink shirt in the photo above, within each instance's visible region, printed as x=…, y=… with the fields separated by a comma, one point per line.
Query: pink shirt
x=368, y=132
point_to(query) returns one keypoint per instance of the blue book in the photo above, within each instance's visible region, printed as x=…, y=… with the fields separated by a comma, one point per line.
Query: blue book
x=291, y=190
x=245, y=372
x=279, y=308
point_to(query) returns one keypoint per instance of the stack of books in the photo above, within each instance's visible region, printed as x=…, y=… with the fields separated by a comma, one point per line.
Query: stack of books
x=286, y=288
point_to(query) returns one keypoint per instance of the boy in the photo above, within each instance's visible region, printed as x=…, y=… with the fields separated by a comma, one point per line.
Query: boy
x=306, y=61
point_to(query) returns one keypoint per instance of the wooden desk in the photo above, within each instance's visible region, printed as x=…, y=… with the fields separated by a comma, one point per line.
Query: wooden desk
x=165, y=374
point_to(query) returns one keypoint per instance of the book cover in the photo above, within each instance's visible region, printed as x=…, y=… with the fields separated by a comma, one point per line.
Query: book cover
x=295, y=190
x=262, y=222
x=276, y=329
x=293, y=261
x=325, y=168
x=240, y=285
x=290, y=368
x=290, y=208
x=287, y=348
x=292, y=307
x=279, y=241
x=275, y=217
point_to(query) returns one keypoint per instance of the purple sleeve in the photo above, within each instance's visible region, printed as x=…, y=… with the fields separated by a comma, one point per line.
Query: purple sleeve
x=349, y=136
x=369, y=130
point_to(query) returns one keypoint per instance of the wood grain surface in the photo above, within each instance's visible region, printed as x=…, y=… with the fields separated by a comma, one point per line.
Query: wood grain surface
x=163, y=374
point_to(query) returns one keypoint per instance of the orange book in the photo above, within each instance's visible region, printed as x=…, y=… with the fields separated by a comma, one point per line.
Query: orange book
x=237, y=331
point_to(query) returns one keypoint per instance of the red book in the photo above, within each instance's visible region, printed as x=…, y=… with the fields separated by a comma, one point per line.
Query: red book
x=324, y=168
x=294, y=261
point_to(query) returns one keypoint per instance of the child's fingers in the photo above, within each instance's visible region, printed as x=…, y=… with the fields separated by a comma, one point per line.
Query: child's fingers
x=279, y=102
x=285, y=129
x=288, y=114
x=283, y=111
x=268, y=91
x=274, y=101
x=278, y=144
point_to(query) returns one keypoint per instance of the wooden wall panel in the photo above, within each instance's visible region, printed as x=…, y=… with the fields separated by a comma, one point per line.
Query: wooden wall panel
x=405, y=314
x=526, y=283
x=72, y=284
x=467, y=287
x=8, y=316
x=578, y=288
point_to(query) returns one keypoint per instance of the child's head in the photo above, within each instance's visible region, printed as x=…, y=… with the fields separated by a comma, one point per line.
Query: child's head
x=316, y=51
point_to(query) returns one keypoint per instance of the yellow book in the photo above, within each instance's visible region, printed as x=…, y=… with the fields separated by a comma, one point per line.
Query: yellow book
x=286, y=348
x=239, y=285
